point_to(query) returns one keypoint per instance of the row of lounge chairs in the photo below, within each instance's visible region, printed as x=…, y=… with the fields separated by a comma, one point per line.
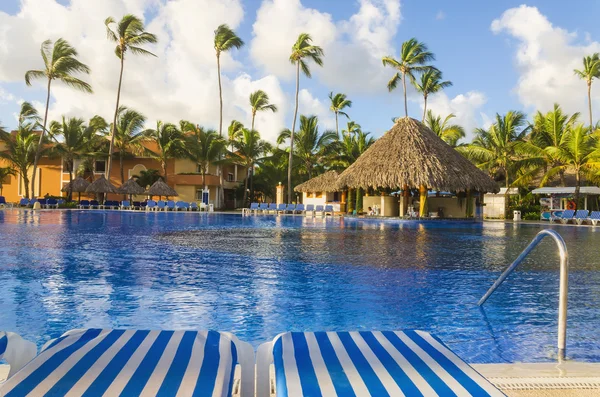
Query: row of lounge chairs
x=149, y=205
x=184, y=363
x=272, y=208
x=44, y=203
x=579, y=217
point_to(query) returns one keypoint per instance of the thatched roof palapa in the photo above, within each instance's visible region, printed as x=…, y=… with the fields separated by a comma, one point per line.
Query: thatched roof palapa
x=326, y=182
x=412, y=155
x=131, y=187
x=77, y=185
x=101, y=185
x=159, y=188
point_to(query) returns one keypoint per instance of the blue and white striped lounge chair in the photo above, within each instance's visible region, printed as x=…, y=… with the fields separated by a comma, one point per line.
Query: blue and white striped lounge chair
x=291, y=208
x=299, y=209
x=161, y=205
x=281, y=208
x=403, y=363
x=24, y=202
x=594, y=217
x=253, y=209
x=310, y=209
x=84, y=204
x=108, y=362
x=566, y=216
x=263, y=207
x=42, y=202
x=3, y=203
x=194, y=206
x=151, y=205
x=319, y=208
x=32, y=202
x=329, y=210
x=137, y=205
x=170, y=205
x=94, y=204
x=52, y=203
x=126, y=205
x=182, y=206
x=272, y=208
x=16, y=351
x=581, y=216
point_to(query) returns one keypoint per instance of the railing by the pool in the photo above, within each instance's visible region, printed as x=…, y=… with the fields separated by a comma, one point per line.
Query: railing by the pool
x=564, y=283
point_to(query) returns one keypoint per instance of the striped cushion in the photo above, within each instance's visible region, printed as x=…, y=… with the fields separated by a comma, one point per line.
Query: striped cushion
x=411, y=363
x=595, y=215
x=3, y=343
x=98, y=362
x=581, y=214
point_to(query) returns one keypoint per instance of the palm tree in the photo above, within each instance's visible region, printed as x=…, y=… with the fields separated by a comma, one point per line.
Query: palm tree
x=28, y=114
x=204, y=147
x=250, y=151
x=430, y=83
x=169, y=141
x=302, y=51
x=590, y=71
x=5, y=172
x=413, y=56
x=259, y=102
x=580, y=153
x=147, y=177
x=338, y=103
x=129, y=135
x=311, y=147
x=60, y=63
x=351, y=128
x=225, y=40
x=450, y=133
x=129, y=34
x=234, y=132
x=74, y=143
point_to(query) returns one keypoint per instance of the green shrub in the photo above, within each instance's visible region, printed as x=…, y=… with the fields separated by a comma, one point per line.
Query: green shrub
x=531, y=216
x=71, y=204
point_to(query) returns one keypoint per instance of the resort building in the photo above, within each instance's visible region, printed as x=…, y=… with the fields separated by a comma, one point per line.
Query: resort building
x=183, y=175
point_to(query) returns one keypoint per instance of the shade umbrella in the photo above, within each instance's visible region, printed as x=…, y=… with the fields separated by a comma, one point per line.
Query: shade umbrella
x=101, y=185
x=77, y=185
x=131, y=187
x=327, y=182
x=159, y=188
x=410, y=155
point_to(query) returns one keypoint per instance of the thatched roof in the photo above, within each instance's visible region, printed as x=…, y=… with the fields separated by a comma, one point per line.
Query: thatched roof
x=159, y=188
x=326, y=182
x=411, y=154
x=131, y=187
x=77, y=185
x=101, y=185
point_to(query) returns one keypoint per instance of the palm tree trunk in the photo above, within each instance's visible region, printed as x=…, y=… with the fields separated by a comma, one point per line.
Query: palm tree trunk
x=253, y=116
x=164, y=168
x=405, y=100
x=506, y=196
x=114, y=126
x=38, y=150
x=424, y=107
x=121, y=167
x=590, y=105
x=220, y=96
x=70, y=197
x=245, y=188
x=26, y=183
x=289, y=186
x=337, y=129
x=577, y=188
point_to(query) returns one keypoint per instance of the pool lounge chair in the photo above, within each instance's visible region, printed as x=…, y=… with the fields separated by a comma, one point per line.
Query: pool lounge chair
x=16, y=351
x=329, y=210
x=410, y=363
x=581, y=216
x=42, y=202
x=110, y=204
x=263, y=207
x=109, y=362
x=565, y=217
x=291, y=208
x=126, y=205
x=170, y=205
x=94, y=204
x=594, y=217
x=161, y=205
x=319, y=209
x=150, y=205
x=182, y=206
x=24, y=202
x=281, y=208
x=137, y=205
x=194, y=206
x=4, y=204
x=84, y=204
x=299, y=209
x=252, y=209
x=51, y=203
x=310, y=209
x=272, y=208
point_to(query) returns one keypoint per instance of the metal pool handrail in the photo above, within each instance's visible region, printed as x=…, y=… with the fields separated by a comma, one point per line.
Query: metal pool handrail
x=564, y=283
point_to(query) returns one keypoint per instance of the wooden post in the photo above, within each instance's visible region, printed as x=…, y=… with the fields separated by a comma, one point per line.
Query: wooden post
x=405, y=193
x=423, y=201
x=469, y=209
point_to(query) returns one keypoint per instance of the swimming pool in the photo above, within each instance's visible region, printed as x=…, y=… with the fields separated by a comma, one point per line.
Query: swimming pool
x=259, y=276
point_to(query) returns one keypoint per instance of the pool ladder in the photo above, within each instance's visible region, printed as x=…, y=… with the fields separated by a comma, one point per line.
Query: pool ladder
x=564, y=283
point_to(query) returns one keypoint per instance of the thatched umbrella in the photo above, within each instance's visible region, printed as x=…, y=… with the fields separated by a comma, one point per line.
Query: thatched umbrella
x=326, y=182
x=410, y=155
x=101, y=185
x=131, y=187
x=77, y=185
x=159, y=188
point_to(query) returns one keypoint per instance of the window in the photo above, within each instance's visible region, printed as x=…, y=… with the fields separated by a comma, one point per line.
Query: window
x=318, y=194
x=100, y=166
x=230, y=177
x=199, y=169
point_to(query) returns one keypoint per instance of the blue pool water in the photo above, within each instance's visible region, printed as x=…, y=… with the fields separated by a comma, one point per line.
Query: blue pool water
x=259, y=276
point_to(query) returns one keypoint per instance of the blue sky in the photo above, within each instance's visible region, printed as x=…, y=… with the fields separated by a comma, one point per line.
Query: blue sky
x=483, y=63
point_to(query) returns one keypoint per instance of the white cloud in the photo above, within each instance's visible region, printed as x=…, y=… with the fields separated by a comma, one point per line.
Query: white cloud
x=466, y=108
x=180, y=83
x=440, y=15
x=353, y=48
x=312, y=106
x=545, y=58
